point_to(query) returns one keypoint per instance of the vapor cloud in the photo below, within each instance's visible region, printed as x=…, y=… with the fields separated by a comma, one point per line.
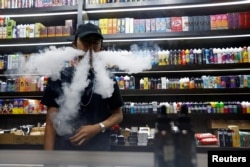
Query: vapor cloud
x=51, y=62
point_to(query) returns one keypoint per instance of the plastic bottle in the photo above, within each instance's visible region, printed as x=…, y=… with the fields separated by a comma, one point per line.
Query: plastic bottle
x=183, y=57
x=245, y=55
x=127, y=82
x=207, y=55
x=141, y=84
x=199, y=56
x=219, y=55
x=185, y=146
x=240, y=54
x=191, y=56
x=187, y=55
x=248, y=52
x=132, y=82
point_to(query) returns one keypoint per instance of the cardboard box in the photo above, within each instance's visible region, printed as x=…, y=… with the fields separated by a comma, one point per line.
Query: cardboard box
x=243, y=124
x=51, y=31
x=20, y=139
x=58, y=31
x=44, y=32
x=7, y=138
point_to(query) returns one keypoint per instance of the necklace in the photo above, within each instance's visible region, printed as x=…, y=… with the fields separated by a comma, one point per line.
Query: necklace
x=85, y=105
x=91, y=95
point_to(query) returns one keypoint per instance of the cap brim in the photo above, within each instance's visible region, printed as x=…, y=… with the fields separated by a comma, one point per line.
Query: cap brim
x=88, y=33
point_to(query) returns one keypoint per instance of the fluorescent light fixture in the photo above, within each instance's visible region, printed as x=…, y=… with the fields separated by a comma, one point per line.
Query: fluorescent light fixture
x=169, y=7
x=40, y=14
x=22, y=165
x=35, y=44
x=188, y=71
x=179, y=38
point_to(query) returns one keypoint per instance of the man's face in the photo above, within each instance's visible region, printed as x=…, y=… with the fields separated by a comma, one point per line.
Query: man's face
x=89, y=42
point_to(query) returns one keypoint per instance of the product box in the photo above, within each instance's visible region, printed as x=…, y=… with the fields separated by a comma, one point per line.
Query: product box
x=4, y=32
x=65, y=31
x=71, y=24
x=103, y=23
x=190, y=23
x=131, y=25
x=218, y=19
x=1, y=32
x=27, y=84
x=168, y=24
x=148, y=25
x=244, y=139
x=114, y=25
x=110, y=26
x=185, y=23
x=127, y=26
x=201, y=23
x=176, y=24
x=236, y=18
x=196, y=23
x=242, y=20
x=7, y=138
x=44, y=32
x=146, y=86
x=22, y=84
x=207, y=22
x=230, y=21
x=51, y=31
x=224, y=21
x=247, y=19
x=7, y=106
x=213, y=22
x=163, y=25
x=153, y=25
x=28, y=139
x=15, y=106
x=38, y=28
x=142, y=26
x=136, y=25
x=235, y=135
x=160, y=25
x=58, y=31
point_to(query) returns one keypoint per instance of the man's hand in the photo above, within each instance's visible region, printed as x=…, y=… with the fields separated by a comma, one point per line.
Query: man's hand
x=84, y=134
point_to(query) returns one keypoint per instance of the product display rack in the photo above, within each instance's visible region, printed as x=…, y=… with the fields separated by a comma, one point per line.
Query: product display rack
x=177, y=40
x=49, y=16
x=171, y=40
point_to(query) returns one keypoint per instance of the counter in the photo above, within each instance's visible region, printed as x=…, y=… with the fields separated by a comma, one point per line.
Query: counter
x=41, y=158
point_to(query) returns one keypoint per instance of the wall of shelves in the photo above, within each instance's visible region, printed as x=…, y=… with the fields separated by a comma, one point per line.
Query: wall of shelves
x=166, y=40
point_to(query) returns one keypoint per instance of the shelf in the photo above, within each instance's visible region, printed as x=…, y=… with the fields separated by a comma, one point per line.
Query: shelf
x=148, y=3
x=34, y=41
x=184, y=35
x=187, y=92
x=199, y=149
x=32, y=45
x=149, y=9
x=205, y=149
x=44, y=10
x=156, y=92
x=12, y=95
x=203, y=69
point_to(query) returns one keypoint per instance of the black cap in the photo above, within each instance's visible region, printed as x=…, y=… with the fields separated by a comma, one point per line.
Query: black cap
x=86, y=29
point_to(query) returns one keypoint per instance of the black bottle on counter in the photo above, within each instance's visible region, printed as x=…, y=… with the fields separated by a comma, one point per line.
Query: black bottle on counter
x=164, y=153
x=185, y=144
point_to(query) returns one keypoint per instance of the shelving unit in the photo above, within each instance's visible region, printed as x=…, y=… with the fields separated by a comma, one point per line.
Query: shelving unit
x=166, y=40
x=178, y=40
